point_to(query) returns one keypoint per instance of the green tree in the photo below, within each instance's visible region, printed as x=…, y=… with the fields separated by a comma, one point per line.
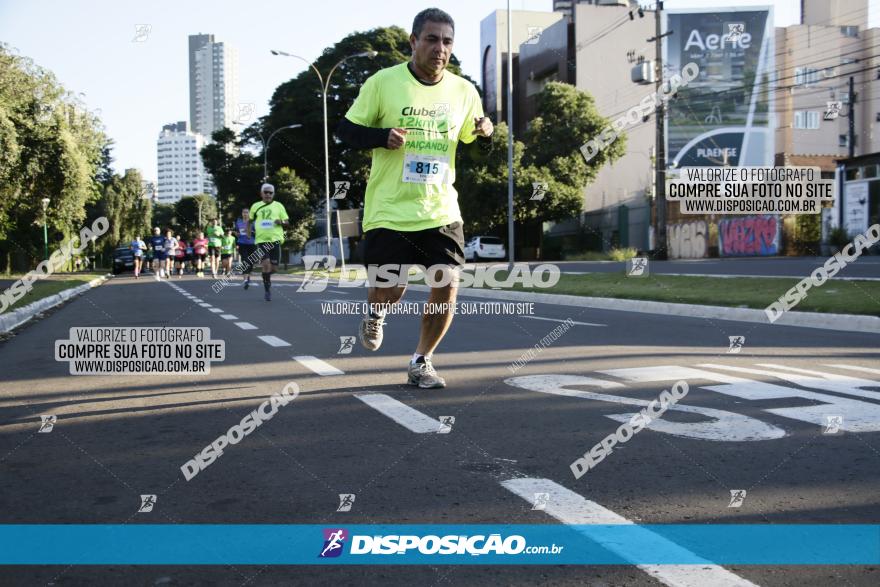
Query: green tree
x=50, y=147
x=292, y=192
x=193, y=212
x=126, y=208
x=548, y=154
x=237, y=174
x=298, y=101
x=164, y=216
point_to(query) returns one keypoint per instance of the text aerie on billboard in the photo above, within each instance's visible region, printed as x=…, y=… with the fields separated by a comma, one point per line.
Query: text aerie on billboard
x=714, y=42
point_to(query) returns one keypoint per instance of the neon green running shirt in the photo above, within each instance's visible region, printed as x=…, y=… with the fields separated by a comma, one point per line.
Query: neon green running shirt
x=411, y=188
x=263, y=217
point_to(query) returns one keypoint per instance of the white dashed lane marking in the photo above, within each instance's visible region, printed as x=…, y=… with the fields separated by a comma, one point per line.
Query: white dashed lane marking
x=411, y=419
x=273, y=341
x=245, y=325
x=318, y=366
x=228, y=317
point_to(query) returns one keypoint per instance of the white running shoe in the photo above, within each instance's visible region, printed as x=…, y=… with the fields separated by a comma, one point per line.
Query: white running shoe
x=371, y=332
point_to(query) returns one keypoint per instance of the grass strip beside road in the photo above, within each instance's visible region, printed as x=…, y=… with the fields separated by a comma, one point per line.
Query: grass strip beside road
x=43, y=288
x=837, y=297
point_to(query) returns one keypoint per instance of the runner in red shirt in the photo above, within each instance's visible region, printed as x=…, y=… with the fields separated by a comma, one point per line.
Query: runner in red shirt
x=200, y=249
x=180, y=255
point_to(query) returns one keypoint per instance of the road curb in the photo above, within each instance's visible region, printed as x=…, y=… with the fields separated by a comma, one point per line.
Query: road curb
x=15, y=318
x=842, y=322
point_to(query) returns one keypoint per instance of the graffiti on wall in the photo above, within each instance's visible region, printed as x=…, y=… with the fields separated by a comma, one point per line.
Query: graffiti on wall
x=749, y=236
x=687, y=240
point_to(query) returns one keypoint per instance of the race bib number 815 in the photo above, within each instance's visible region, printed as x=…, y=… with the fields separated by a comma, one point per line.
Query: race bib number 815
x=428, y=169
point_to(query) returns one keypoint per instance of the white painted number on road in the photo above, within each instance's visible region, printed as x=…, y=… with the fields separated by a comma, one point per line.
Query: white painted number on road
x=718, y=424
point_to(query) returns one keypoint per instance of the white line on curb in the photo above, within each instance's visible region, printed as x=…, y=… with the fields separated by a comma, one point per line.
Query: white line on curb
x=570, y=508
x=411, y=419
x=318, y=366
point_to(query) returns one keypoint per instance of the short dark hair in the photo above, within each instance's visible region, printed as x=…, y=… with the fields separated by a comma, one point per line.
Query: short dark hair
x=431, y=15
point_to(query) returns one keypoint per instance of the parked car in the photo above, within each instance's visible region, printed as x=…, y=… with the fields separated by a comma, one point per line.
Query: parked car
x=123, y=260
x=484, y=247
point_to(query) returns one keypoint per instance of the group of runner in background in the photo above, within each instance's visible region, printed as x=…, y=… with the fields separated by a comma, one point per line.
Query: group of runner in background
x=257, y=236
x=211, y=250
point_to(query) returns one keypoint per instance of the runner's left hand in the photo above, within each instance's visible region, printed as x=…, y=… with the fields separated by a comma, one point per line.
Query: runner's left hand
x=483, y=127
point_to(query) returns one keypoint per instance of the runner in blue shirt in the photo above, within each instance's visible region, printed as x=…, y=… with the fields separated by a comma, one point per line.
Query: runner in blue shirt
x=157, y=244
x=246, y=245
x=138, y=247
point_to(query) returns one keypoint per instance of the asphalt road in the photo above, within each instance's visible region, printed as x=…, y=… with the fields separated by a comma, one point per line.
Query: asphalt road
x=120, y=436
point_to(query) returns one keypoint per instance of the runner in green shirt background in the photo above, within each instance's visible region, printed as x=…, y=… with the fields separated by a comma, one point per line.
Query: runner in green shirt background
x=270, y=219
x=214, y=232
x=227, y=246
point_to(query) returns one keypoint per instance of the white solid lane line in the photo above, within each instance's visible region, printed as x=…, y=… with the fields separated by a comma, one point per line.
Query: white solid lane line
x=412, y=420
x=570, y=508
x=560, y=320
x=228, y=317
x=273, y=341
x=318, y=366
x=245, y=325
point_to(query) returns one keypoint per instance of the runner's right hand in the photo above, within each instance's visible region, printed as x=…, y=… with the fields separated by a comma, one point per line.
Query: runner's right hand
x=396, y=138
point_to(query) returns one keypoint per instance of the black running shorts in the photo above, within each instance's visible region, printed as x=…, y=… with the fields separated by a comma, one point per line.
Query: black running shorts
x=271, y=251
x=443, y=245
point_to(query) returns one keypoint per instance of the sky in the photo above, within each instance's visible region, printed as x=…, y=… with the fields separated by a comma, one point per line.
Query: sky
x=136, y=84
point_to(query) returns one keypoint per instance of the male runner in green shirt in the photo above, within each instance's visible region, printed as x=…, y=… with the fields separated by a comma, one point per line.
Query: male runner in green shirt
x=270, y=219
x=214, y=232
x=412, y=116
x=227, y=247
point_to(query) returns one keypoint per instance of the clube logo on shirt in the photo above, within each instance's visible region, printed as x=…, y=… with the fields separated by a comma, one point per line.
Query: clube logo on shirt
x=434, y=121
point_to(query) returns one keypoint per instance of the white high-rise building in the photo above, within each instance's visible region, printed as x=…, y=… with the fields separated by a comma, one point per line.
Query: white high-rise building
x=213, y=73
x=181, y=172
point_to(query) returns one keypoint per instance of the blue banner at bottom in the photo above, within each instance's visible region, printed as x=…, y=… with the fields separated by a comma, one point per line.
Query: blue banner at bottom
x=436, y=544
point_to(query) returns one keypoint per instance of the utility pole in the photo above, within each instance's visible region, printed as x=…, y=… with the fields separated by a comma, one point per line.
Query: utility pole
x=511, y=247
x=660, y=251
x=852, y=117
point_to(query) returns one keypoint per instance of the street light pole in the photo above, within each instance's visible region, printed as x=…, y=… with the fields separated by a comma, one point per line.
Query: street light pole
x=266, y=148
x=45, y=202
x=325, y=84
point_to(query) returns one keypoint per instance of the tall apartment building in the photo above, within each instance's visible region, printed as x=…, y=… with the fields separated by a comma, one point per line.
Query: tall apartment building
x=814, y=61
x=527, y=27
x=213, y=82
x=181, y=172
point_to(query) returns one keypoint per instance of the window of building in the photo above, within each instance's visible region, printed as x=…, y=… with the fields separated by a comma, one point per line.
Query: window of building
x=849, y=31
x=843, y=140
x=853, y=173
x=806, y=119
x=805, y=76
x=869, y=171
